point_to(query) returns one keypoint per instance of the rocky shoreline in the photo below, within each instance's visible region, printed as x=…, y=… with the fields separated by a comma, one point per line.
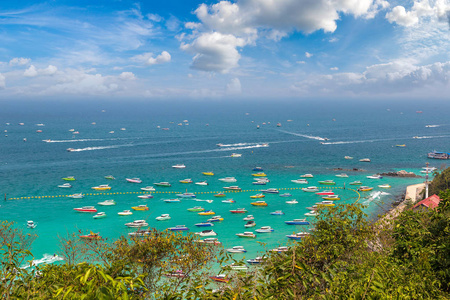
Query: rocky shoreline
x=401, y=173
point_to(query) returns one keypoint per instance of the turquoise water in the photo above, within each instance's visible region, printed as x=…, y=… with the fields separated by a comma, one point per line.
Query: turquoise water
x=33, y=169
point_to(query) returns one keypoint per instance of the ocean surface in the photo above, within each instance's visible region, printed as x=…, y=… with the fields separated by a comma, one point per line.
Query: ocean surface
x=314, y=137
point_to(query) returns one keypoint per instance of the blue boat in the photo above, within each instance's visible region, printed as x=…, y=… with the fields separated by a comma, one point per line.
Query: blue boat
x=297, y=236
x=204, y=224
x=277, y=213
x=297, y=222
x=178, y=228
x=286, y=195
x=257, y=169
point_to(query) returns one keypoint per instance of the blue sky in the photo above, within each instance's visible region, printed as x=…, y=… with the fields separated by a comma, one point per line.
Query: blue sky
x=246, y=49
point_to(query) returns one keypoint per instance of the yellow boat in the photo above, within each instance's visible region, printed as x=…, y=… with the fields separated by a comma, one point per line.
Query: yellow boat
x=260, y=174
x=208, y=173
x=140, y=207
x=331, y=198
x=365, y=189
x=206, y=213
x=259, y=203
x=103, y=187
x=220, y=195
x=325, y=203
x=257, y=196
x=186, y=180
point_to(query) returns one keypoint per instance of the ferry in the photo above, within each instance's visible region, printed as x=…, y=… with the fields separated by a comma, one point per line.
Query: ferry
x=86, y=209
x=259, y=203
x=365, y=189
x=327, y=182
x=163, y=184
x=134, y=180
x=102, y=187
x=438, y=155
x=247, y=234
x=208, y=173
x=163, y=217
x=140, y=207
x=257, y=196
x=297, y=222
x=238, y=211
x=187, y=180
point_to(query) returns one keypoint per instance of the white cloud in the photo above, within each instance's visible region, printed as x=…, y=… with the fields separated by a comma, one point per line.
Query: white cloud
x=30, y=72
x=33, y=72
x=127, y=76
x=234, y=87
x=50, y=70
x=148, y=58
x=19, y=61
x=400, y=16
x=2, y=81
x=308, y=55
x=334, y=69
x=301, y=62
x=154, y=17
x=421, y=9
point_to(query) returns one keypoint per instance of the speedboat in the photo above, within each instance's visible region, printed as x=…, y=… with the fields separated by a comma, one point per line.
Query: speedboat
x=140, y=207
x=280, y=249
x=228, y=179
x=236, y=249
x=206, y=233
x=327, y=182
x=215, y=219
x=232, y=188
x=256, y=261
x=270, y=191
x=140, y=233
x=348, y=157
x=257, y=196
x=213, y=241
x=325, y=193
x=248, y=218
x=301, y=181
x=86, y=209
x=125, y=213
x=134, y=180
x=102, y=187
x=297, y=236
x=208, y=173
x=179, y=166
x=107, y=203
x=365, y=189
x=220, y=195
x=31, y=224
x=186, y=195
x=331, y=197
x=235, y=155
x=259, y=174
x=277, y=213
x=163, y=217
x=256, y=169
x=237, y=266
x=201, y=183
x=187, y=180
x=384, y=186
x=293, y=201
x=163, y=184
x=375, y=176
x=196, y=208
x=249, y=224
x=206, y=213
x=68, y=178
x=286, y=195
x=311, y=213
x=204, y=224
x=238, y=211
x=65, y=185
x=110, y=177
x=100, y=215
x=171, y=200
x=247, y=234
x=91, y=236
x=220, y=278
x=259, y=203
x=76, y=196
x=314, y=207
x=146, y=196
x=365, y=160
x=262, y=179
x=342, y=175
x=136, y=224
x=326, y=203
x=297, y=222
x=264, y=229
x=228, y=201
x=357, y=182
x=311, y=189
x=307, y=176
x=148, y=189
x=259, y=182
x=177, y=273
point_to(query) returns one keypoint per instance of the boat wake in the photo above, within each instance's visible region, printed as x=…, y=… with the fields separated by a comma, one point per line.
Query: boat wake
x=236, y=145
x=432, y=126
x=73, y=141
x=357, y=142
x=243, y=147
x=317, y=138
x=47, y=259
x=431, y=137
x=372, y=196
x=99, y=148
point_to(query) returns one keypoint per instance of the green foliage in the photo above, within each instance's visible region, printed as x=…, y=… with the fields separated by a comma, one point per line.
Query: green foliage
x=441, y=182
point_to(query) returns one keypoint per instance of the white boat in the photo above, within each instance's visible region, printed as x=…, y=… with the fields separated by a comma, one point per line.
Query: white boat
x=171, y=200
x=228, y=179
x=206, y=233
x=293, y=201
x=235, y=155
x=375, y=176
x=107, y=202
x=311, y=214
x=248, y=218
x=100, y=215
x=163, y=217
x=307, y=176
x=31, y=224
x=140, y=233
x=365, y=160
x=134, y=180
x=65, y=185
x=384, y=186
x=236, y=249
x=280, y=249
x=147, y=196
x=249, y=224
x=236, y=267
x=348, y=157
x=264, y=229
x=311, y=189
x=125, y=213
x=179, y=166
x=76, y=196
x=214, y=241
x=201, y=183
x=342, y=175
x=301, y=181
x=247, y=234
x=148, y=189
x=232, y=188
x=136, y=223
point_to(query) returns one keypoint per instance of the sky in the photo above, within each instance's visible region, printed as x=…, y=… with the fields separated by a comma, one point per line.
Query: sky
x=243, y=49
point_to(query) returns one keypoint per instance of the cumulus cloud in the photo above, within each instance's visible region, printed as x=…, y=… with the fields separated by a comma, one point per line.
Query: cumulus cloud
x=149, y=59
x=19, y=61
x=127, y=76
x=234, y=87
x=2, y=81
x=308, y=55
x=334, y=69
x=32, y=71
x=420, y=9
x=400, y=16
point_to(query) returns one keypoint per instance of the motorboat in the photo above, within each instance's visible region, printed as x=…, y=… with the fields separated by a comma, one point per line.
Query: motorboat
x=300, y=181
x=196, y=208
x=357, y=182
x=148, y=189
x=264, y=229
x=401, y=146
x=206, y=233
x=249, y=224
x=325, y=193
x=256, y=261
x=280, y=249
x=331, y=197
x=232, y=188
x=146, y=196
x=270, y=191
x=204, y=224
x=228, y=179
x=140, y=207
x=171, y=200
x=257, y=169
x=125, y=213
x=213, y=241
x=297, y=222
x=286, y=195
x=186, y=195
x=277, y=213
x=384, y=186
x=248, y=218
x=176, y=273
x=68, y=178
x=31, y=224
x=89, y=209
x=428, y=170
x=187, y=180
x=375, y=176
x=102, y=187
x=236, y=249
x=215, y=219
x=259, y=182
x=365, y=189
x=259, y=203
x=220, y=195
x=262, y=179
x=238, y=211
x=307, y=176
x=139, y=233
x=326, y=203
x=137, y=223
x=342, y=175
x=298, y=235
x=107, y=203
x=65, y=185
x=228, y=201
x=220, y=278
x=91, y=236
x=163, y=217
x=163, y=184
x=348, y=157
x=100, y=215
x=314, y=207
x=327, y=182
x=293, y=201
x=179, y=166
x=311, y=213
x=201, y=183
x=259, y=174
x=257, y=196
x=247, y=234
x=311, y=189
x=110, y=177
x=237, y=266
x=76, y=196
x=365, y=160
x=235, y=155
x=134, y=180
x=206, y=213
x=210, y=173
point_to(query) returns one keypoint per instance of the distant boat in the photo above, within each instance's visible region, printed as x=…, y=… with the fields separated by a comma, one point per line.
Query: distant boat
x=365, y=160
x=403, y=145
x=163, y=217
x=201, y=183
x=438, y=155
x=348, y=157
x=163, y=184
x=134, y=180
x=76, y=196
x=235, y=155
x=110, y=177
x=179, y=166
x=357, y=182
x=107, y=203
x=31, y=224
x=65, y=185
x=297, y=222
x=228, y=179
x=102, y=187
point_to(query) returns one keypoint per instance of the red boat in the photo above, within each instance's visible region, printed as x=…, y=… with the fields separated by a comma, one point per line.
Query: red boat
x=238, y=211
x=220, y=278
x=91, y=236
x=325, y=193
x=86, y=209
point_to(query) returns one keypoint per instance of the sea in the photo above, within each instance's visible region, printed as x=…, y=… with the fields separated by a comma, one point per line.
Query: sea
x=144, y=139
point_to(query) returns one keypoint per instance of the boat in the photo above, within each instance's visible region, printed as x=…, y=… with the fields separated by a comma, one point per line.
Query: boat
x=326, y=203
x=201, y=183
x=238, y=211
x=438, y=155
x=31, y=224
x=342, y=175
x=247, y=234
x=65, y=185
x=134, y=180
x=357, y=182
x=100, y=215
x=259, y=182
x=280, y=249
x=186, y=195
x=136, y=224
x=298, y=235
x=196, y=208
x=220, y=278
x=311, y=213
x=262, y=179
x=228, y=179
x=208, y=173
x=107, y=203
x=384, y=186
x=125, y=213
x=86, y=209
x=259, y=174
x=213, y=241
x=215, y=219
x=204, y=224
x=163, y=217
x=187, y=180
x=256, y=261
x=140, y=207
x=327, y=182
x=76, y=196
x=163, y=184
x=297, y=222
x=171, y=200
x=249, y=224
x=110, y=177
x=365, y=189
x=228, y=201
x=348, y=157
x=176, y=273
x=311, y=189
x=256, y=169
x=232, y=188
x=139, y=233
x=331, y=197
x=91, y=236
x=375, y=176
x=325, y=193
x=206, y=233
x=286, y=195
x=248, y=218
x=148, y=189
x=237, y=266
x=270, y=191
x=365, y=160
x=293, y=201
x=264, y=229
x=307, y=176
x=220, y=195
x=102, y=187
x=235, y=155
x=428, y=170
x=301, y=181
x=314, y=207
x=402, y=145
x=236, y=249
x=179, y=166
x=259, y=203
x=257, y=196
x=70, y=150
x=146, y=196
x=68, y=178
x=277, y=213
x=206, y=213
